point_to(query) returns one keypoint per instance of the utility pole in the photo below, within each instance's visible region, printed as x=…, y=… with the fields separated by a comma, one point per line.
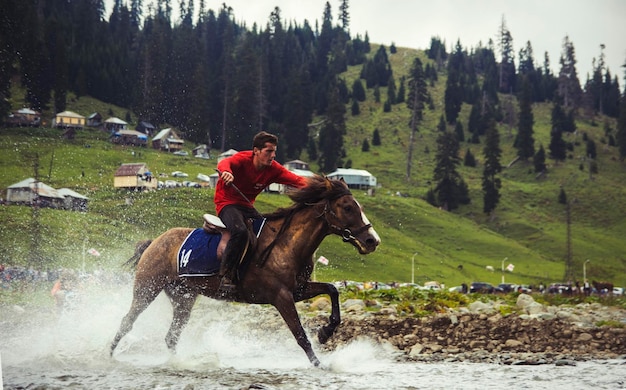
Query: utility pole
x=35, y=228
x=569, y=276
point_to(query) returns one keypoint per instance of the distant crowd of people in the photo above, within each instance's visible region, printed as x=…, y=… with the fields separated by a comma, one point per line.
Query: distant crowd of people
x=11, y=275
x=65, y=284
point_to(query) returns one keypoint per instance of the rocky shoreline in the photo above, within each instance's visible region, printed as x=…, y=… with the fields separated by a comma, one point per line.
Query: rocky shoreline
x=532, y=334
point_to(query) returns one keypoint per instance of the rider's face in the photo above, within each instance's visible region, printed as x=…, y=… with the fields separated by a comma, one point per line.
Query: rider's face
x=265, y=156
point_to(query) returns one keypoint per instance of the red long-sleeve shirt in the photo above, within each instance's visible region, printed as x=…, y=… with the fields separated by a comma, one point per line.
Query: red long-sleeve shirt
x=249, y=180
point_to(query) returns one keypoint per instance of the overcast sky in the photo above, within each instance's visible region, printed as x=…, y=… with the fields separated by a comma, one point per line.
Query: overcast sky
x=412, y=23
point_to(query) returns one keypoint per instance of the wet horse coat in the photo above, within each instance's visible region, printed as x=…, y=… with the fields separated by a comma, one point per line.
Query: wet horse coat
x=281, y=269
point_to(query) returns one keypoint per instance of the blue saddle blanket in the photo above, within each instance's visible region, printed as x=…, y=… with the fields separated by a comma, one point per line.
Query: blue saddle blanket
x=197, y=255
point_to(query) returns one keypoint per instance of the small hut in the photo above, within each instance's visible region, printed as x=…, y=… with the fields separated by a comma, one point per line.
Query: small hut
x=134, y=176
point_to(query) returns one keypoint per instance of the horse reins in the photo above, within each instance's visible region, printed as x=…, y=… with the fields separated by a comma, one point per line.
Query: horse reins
x=345, y=233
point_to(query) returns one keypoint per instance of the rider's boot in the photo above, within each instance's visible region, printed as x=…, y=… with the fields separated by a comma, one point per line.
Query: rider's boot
x=227, y=286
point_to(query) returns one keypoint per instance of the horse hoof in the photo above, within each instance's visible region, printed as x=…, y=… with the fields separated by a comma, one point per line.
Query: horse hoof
x=322, y=335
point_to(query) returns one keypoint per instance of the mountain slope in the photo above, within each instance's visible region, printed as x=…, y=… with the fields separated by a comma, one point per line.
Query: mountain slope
x=420, y=242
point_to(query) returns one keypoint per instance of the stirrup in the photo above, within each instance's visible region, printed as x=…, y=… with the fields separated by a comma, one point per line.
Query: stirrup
x=227, y=287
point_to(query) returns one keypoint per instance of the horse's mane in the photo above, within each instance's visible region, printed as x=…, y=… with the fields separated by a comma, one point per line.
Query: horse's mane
x=318, y=188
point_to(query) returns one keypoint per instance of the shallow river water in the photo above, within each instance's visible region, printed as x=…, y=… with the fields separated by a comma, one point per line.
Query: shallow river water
x=232, y=346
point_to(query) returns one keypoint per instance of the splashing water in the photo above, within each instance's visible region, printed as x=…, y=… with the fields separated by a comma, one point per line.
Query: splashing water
x=232, y=346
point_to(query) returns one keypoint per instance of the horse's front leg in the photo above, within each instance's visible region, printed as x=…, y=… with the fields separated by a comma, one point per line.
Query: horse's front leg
x=286, y=306
x=313, y=289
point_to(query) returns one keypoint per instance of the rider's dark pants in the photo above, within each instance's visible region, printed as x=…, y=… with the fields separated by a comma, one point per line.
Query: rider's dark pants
x=235, y=217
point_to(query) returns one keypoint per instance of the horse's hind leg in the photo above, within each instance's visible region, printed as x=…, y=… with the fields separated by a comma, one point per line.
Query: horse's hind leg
x=314, y=289
x=182, y=303
x=142, y=297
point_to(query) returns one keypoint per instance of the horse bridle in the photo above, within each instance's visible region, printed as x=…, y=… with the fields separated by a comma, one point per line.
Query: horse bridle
x=346, y=234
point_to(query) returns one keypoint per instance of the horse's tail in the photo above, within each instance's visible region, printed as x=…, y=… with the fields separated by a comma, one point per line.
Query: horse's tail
x=140, y=247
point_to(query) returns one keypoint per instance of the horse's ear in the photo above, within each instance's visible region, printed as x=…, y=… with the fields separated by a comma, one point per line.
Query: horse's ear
x=329, y=185
x=341, y=180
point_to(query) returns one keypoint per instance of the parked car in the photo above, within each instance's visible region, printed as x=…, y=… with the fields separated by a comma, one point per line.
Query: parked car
x=181, y=153
x=507, y=287
x=432, y=285
x=482, y=287
x=618, y=290
x=179, y=174
x=458, y=289
x=193, y=184
x=558, y=288
x=203, y=177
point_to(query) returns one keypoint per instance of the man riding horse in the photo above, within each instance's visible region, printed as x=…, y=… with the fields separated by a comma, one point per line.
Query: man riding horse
x=243, y=176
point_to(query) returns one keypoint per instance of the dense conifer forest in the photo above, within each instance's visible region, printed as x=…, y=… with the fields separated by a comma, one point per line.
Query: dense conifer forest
x=220, y=81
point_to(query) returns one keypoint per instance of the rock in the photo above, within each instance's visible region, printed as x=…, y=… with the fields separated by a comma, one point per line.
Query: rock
x=321, y=303
x=416, y=349
x=353, y=305
x=545, y=316
x=524, y=300
x=478, y=333
x=372, y=303
x=388, y=311
x=510, y=343
x=478, y=307
x=534, y=308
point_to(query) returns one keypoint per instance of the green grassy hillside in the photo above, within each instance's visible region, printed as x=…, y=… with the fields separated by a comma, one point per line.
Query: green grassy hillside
x=528, y=228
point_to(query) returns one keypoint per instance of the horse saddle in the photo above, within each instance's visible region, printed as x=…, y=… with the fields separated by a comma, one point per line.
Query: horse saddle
x=201, y=252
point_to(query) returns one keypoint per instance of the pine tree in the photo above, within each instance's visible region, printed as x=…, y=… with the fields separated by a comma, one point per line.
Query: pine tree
x=621, y=128
x=562, y=196
x=376, y=94
x=344, y=16
x=358, y=92
x=450, y=190
x=527, y=69
x=376, y=138
x=524, y=141
x=355, y=110
x=591, y=149
x=331, y=134
x=391, y=90
x=557, y=146
x=469, y=160
x=60, y=80
x=458, y=131
x=441, y=126
x=539, y=160
x=507, y=62
x=568, y=84
x=416, y=100
x=453, y=98
x=365, y=146
x=401, y=92
x=491, y=183
x=473, y=123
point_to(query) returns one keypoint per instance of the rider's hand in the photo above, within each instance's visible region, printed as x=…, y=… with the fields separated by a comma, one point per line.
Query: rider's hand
x=227, y=177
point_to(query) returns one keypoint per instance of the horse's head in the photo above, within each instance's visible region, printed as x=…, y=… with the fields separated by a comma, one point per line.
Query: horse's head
x=345, y=217
x=342, y=213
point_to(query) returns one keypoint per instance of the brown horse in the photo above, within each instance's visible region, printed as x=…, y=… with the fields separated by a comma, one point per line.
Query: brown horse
x=281, y=264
